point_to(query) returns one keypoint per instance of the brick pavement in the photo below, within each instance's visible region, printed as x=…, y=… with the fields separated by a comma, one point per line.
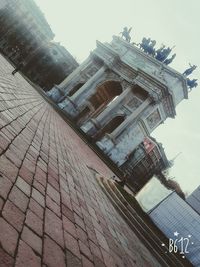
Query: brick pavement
x=53, y=212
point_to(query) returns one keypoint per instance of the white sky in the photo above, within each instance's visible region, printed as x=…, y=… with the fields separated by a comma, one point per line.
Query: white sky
x=78, y=24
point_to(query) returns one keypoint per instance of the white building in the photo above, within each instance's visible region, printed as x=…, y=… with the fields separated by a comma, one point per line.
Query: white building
x=179, y=221
x=119, y=95
x=194, y=199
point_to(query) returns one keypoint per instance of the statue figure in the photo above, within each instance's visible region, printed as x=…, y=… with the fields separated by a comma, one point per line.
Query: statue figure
x=192, y=83
x=169, y=60
x=126, y=34
x=145, y=43
x=159, y=52
x=162, y=53
x=189, y=70
x=150, y=49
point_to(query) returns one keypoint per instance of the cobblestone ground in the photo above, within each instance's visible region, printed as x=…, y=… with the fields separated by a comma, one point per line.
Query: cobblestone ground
x=52, y=212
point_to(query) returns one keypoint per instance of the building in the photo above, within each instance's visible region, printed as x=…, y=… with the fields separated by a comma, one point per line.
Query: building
x=51, y=65
x=194, y=199
x=147, y=160
x=179, y=221
x=119, y=95
x=26, y=38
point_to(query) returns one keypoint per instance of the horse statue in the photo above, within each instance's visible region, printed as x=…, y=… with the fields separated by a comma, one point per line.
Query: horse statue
x=192, y=83
x=126, y=34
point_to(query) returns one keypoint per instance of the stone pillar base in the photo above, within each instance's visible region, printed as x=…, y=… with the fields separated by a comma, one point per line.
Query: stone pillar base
x=55, y=94
x=69, y=107
x=106, y=144
x=91, y=127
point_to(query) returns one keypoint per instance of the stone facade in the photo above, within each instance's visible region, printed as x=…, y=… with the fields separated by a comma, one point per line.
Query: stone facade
x=145, y=161
x=119, y=95
x=26, y=37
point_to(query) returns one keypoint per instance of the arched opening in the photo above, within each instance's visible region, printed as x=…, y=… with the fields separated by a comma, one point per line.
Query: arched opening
x=75, y=89
x=109, y=127
x=103, y=96
x=105, y=93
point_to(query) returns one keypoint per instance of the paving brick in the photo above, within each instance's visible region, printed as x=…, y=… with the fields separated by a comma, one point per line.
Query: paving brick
x=53, y=254
x=4, y=141
x=39, y=187
x=5, y=259
x=13, y=215
x=79, y=221
x=102, y=241
x=99, y=263
x=82, y=235
x=8, y=237
x=53, y=182
x=69, y=226
x=108, y=259
x=85, y=250
x=40, y=176
x=53, y=206
x=29, y=165
x=86, y=262
x=26, y=256
x=8, y=169
x=77, y=209
x=23, y=186
x=26, y=174
x=38, y=197
x=19, y=198
x=34, y=241
x=1, y=203
x=72, y=244
x=34, y=222
x=36, y=208
x=5, y=186
x=95, y=250
x=68, y=213
x=54, y=194
x=12, y=156
x=53, y=227
x=65, y=198
x=72, y=261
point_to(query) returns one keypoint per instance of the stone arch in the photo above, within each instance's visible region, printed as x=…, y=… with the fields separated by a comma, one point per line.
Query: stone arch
x=104, y=94
x=108, y=128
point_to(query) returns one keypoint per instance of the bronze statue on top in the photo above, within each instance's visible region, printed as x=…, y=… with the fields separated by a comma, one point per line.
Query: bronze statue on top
x=147, y=46
x=169, y=60
x=192, y=83
x=189, y=70
x=162, y=53
x=126, y=34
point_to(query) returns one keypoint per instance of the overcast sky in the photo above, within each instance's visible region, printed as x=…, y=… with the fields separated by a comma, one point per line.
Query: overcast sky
x=78, y=24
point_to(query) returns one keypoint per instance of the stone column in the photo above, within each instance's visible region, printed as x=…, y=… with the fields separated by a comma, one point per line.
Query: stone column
x=93, y=125
x=73, y=105
x=86, y=90
x=131, y=118
x=59, y=92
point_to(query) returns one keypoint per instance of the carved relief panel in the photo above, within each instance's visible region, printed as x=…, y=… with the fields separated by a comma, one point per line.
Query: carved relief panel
x=153, y=119
x=133, y=103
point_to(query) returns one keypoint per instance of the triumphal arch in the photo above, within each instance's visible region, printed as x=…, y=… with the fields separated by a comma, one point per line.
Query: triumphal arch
x=119, y=95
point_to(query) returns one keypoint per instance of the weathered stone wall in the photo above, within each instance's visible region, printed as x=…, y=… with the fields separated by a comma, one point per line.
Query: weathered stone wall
x=52, y=212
